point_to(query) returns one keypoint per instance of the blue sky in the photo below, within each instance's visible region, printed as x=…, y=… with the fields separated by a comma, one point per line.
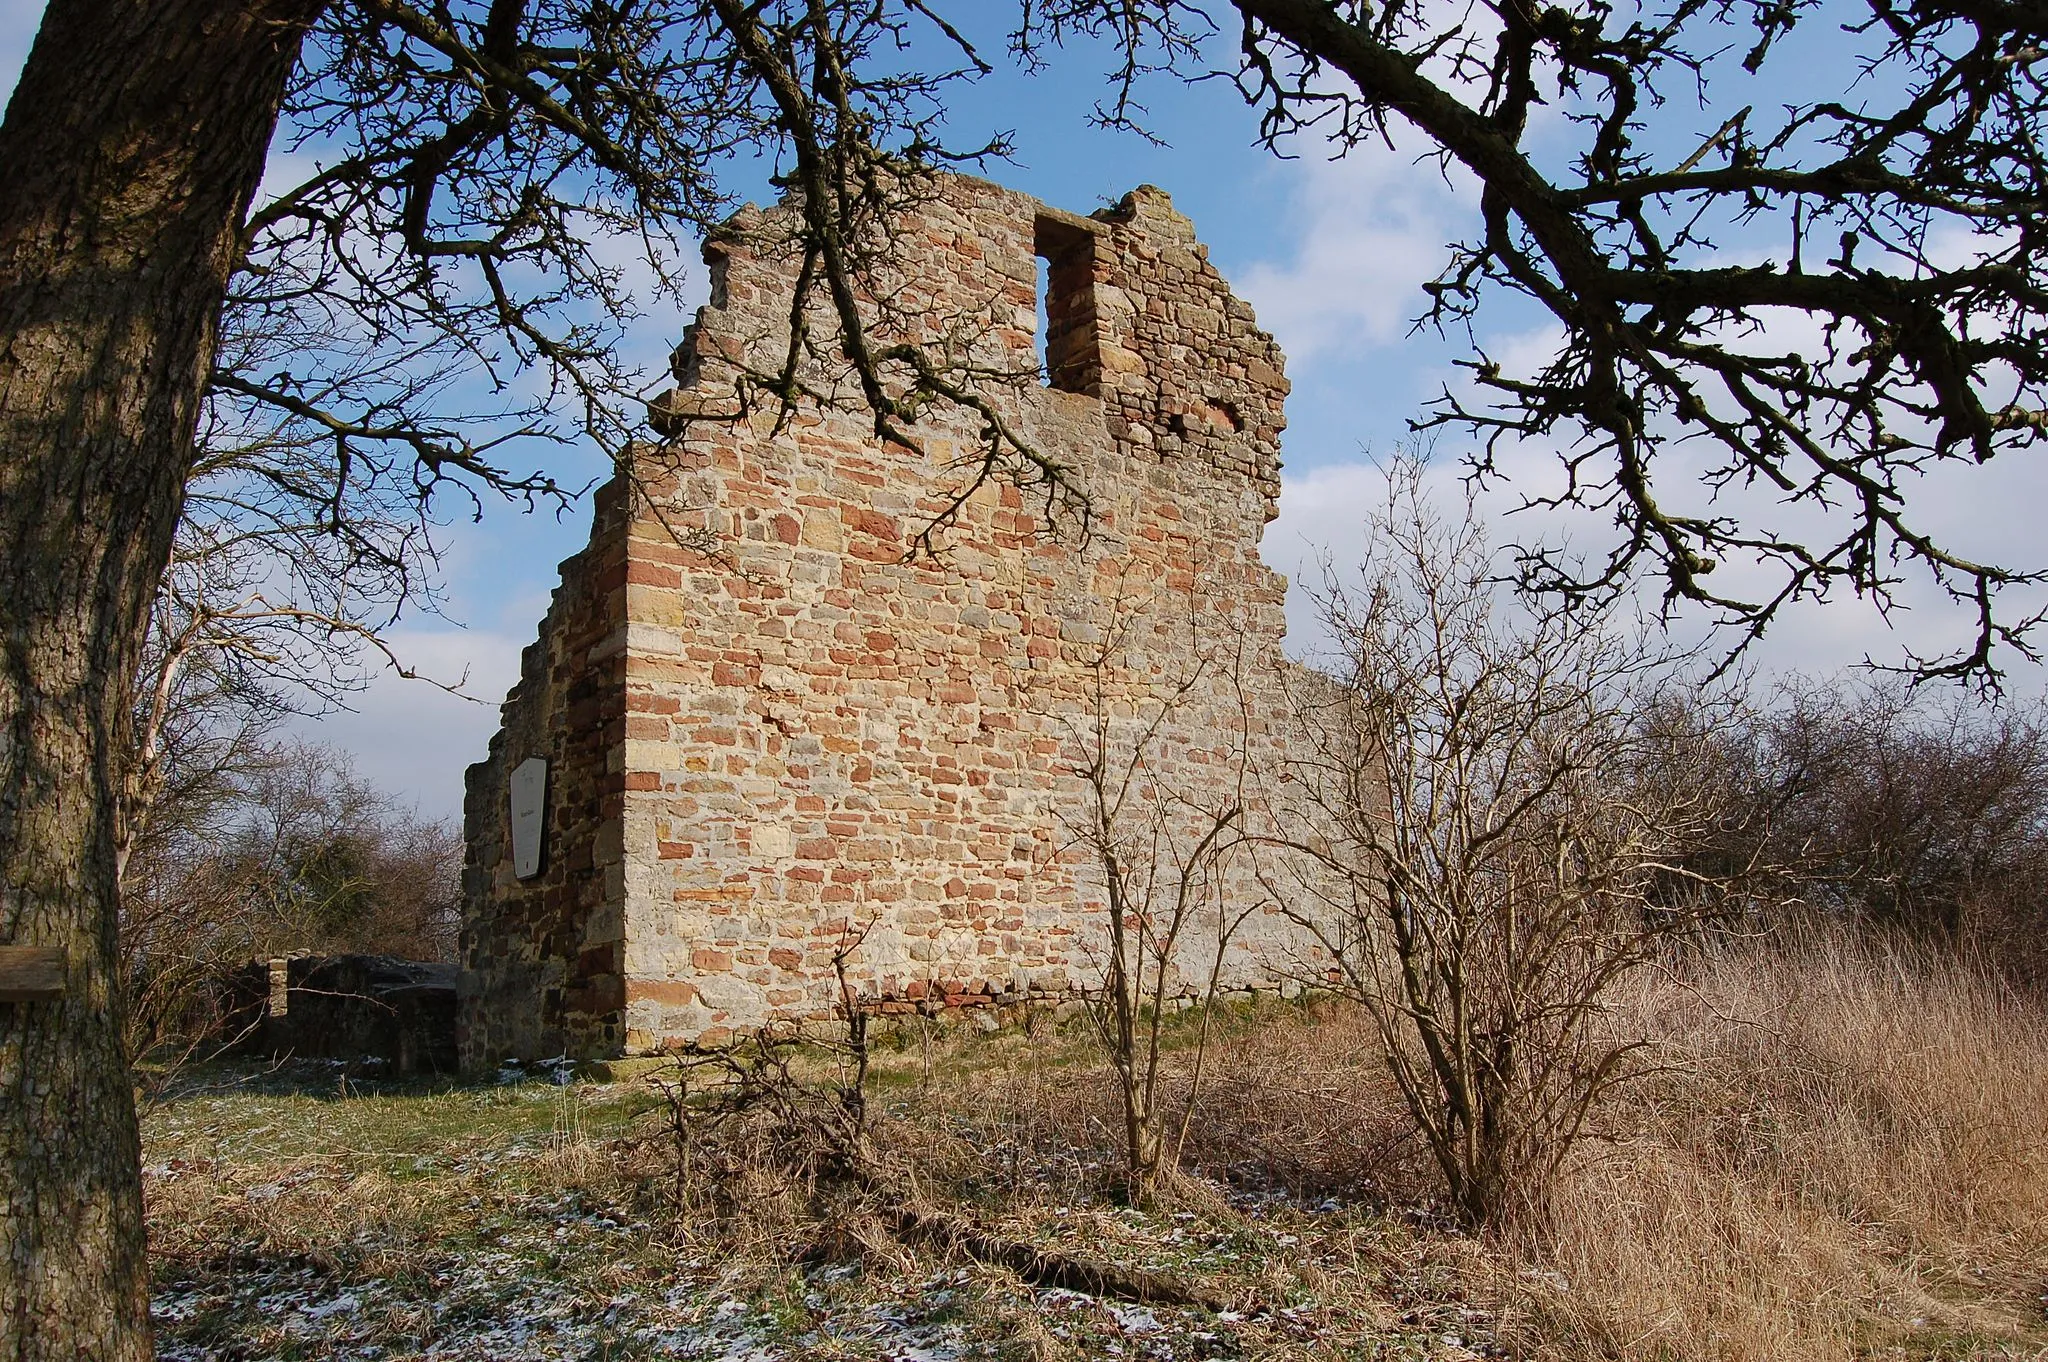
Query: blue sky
x=1331, y=255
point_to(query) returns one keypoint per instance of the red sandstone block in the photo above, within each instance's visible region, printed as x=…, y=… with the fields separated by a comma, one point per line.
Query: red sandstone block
x=643, y=780
x=806, y=873
x=817, y=849
x=646, y=726
x=598, y=996
x=729, y=674
x=675, y=851
x=784, y=958
x=669, y=992
x=864, y=520
x=652, y=574
x=710, y=961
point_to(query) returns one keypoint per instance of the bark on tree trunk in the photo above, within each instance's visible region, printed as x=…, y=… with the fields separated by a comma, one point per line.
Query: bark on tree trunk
x=128, y=156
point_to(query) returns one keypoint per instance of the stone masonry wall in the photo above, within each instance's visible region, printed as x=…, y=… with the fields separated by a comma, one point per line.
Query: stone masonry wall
x=817, y=745
x=542, y=957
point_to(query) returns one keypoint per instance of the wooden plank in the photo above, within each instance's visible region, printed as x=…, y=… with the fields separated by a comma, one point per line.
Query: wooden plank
x=31, y=974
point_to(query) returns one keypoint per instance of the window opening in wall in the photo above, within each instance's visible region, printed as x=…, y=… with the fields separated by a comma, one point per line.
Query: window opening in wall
x=1070, y=355
x=1043, y=325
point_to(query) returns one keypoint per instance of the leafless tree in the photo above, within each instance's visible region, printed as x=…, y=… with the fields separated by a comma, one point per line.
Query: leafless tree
x=272, y=605
x=458, y=185
x=1509, y=814
x=1900, y=809
x=1160, y=847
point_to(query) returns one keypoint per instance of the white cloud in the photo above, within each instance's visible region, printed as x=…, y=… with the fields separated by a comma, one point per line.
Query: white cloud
x=1364, y=234
x=1988, y=511
x=1319, y=535
x=414, y=739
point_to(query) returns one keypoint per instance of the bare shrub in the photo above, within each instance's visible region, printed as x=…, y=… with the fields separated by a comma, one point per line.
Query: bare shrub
x=1911, y=809
x=1160, y=846
x=1511, y=811
x=1304, y=1107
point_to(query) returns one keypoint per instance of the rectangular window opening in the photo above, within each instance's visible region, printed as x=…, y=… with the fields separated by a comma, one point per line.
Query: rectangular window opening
x=1070, y=357
x=1043, y=332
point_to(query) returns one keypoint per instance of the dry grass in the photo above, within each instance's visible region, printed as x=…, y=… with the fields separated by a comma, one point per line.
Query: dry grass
x=1847, y=1156
x=1850, y=1158
x=1843, y=1153
x=534, y=1224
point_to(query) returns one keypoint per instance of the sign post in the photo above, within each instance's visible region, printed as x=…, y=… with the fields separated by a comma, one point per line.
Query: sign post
x=31, y=974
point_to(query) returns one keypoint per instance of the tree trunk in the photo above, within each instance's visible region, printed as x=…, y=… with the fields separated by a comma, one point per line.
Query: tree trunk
x=129, y=153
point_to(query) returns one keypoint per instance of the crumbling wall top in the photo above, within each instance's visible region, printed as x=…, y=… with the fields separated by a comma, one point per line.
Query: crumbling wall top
x=1122, y=307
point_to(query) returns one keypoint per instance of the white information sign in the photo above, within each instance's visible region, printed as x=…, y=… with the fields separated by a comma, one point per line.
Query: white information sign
x=529, y=815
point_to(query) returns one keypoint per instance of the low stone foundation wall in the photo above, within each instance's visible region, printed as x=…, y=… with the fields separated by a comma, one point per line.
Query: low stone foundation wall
x=988, y=1011
x=345, y=1007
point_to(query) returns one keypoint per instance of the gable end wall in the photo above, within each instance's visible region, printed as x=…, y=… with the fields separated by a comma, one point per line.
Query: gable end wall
x=816, y=747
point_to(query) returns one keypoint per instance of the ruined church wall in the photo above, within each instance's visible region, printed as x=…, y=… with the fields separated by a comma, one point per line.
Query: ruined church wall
x=831, y=751
x=542, y=957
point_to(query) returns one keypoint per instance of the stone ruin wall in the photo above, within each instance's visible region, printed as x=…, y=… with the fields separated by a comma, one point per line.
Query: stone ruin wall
x=543, y=957
x=816, y=744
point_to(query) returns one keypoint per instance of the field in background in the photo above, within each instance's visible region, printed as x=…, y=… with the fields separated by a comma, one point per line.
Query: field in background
x=1844, y=1155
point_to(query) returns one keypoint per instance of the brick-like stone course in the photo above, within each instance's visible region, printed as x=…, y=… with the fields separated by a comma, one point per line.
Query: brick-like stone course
x=817, y=743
